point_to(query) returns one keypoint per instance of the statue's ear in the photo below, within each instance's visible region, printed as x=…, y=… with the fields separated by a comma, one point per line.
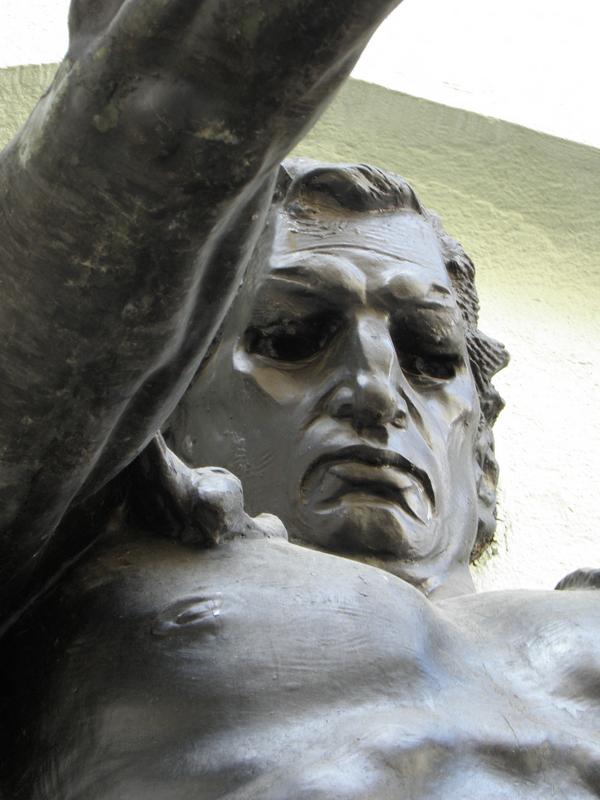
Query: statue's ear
x=487, y=480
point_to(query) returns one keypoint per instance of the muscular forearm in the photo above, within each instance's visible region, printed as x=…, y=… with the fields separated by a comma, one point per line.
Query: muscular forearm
x=195, y=97
x=129, y=206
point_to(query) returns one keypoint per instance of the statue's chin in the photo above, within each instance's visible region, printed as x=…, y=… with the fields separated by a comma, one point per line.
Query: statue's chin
x=371, y=527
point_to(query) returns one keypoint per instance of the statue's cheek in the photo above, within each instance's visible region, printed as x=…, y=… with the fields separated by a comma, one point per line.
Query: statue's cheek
x=282, y=386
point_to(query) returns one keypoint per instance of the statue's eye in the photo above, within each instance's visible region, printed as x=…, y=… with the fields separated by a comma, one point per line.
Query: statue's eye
x=429, y=351
x=292, y=340
x=431, y=369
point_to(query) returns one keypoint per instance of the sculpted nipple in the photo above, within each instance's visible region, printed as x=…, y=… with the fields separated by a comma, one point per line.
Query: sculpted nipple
x=189, y=613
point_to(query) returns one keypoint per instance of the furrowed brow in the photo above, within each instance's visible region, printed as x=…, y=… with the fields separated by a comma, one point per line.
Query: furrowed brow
x=335, y=280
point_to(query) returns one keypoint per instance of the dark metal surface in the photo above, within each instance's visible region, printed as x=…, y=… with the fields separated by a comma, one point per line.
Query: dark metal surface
x=129, y=206
x=264, y=670
x=159, y=642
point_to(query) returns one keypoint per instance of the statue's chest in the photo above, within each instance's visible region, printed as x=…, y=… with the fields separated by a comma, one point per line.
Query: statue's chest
x=456, y=741
x=351, y=695
x=332, y=681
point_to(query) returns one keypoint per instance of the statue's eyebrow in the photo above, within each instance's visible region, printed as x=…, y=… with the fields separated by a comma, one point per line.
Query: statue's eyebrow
x=425, y=296
x=333, y=279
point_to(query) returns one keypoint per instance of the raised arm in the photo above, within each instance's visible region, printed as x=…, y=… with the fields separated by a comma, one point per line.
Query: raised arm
x=129, y=206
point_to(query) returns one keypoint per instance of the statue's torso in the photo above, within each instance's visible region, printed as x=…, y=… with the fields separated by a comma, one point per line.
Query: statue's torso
x=264, y=670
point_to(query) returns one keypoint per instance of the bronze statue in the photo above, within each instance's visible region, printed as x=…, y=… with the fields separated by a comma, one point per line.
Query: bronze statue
x=158, y=641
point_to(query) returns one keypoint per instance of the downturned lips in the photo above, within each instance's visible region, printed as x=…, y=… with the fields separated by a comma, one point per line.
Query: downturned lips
x=371, y=473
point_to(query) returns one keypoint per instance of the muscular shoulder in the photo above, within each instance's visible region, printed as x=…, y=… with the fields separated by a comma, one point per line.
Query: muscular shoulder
x=525, y=616
x=550, y=639
x=518, y=610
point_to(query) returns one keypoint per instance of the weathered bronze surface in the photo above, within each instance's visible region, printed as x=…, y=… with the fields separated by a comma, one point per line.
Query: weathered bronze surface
x=158, y=640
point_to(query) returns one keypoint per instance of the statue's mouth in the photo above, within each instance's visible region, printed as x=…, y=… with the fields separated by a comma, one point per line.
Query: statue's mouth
x=365, y=474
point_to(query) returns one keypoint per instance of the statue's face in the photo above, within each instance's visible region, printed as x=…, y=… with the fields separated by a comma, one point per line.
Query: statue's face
x=342, y=396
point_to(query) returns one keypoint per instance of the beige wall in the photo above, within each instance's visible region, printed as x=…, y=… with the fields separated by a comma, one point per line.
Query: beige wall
x=527, y=208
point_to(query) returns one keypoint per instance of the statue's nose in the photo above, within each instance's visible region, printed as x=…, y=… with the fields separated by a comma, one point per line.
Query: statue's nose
x=368, y=395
